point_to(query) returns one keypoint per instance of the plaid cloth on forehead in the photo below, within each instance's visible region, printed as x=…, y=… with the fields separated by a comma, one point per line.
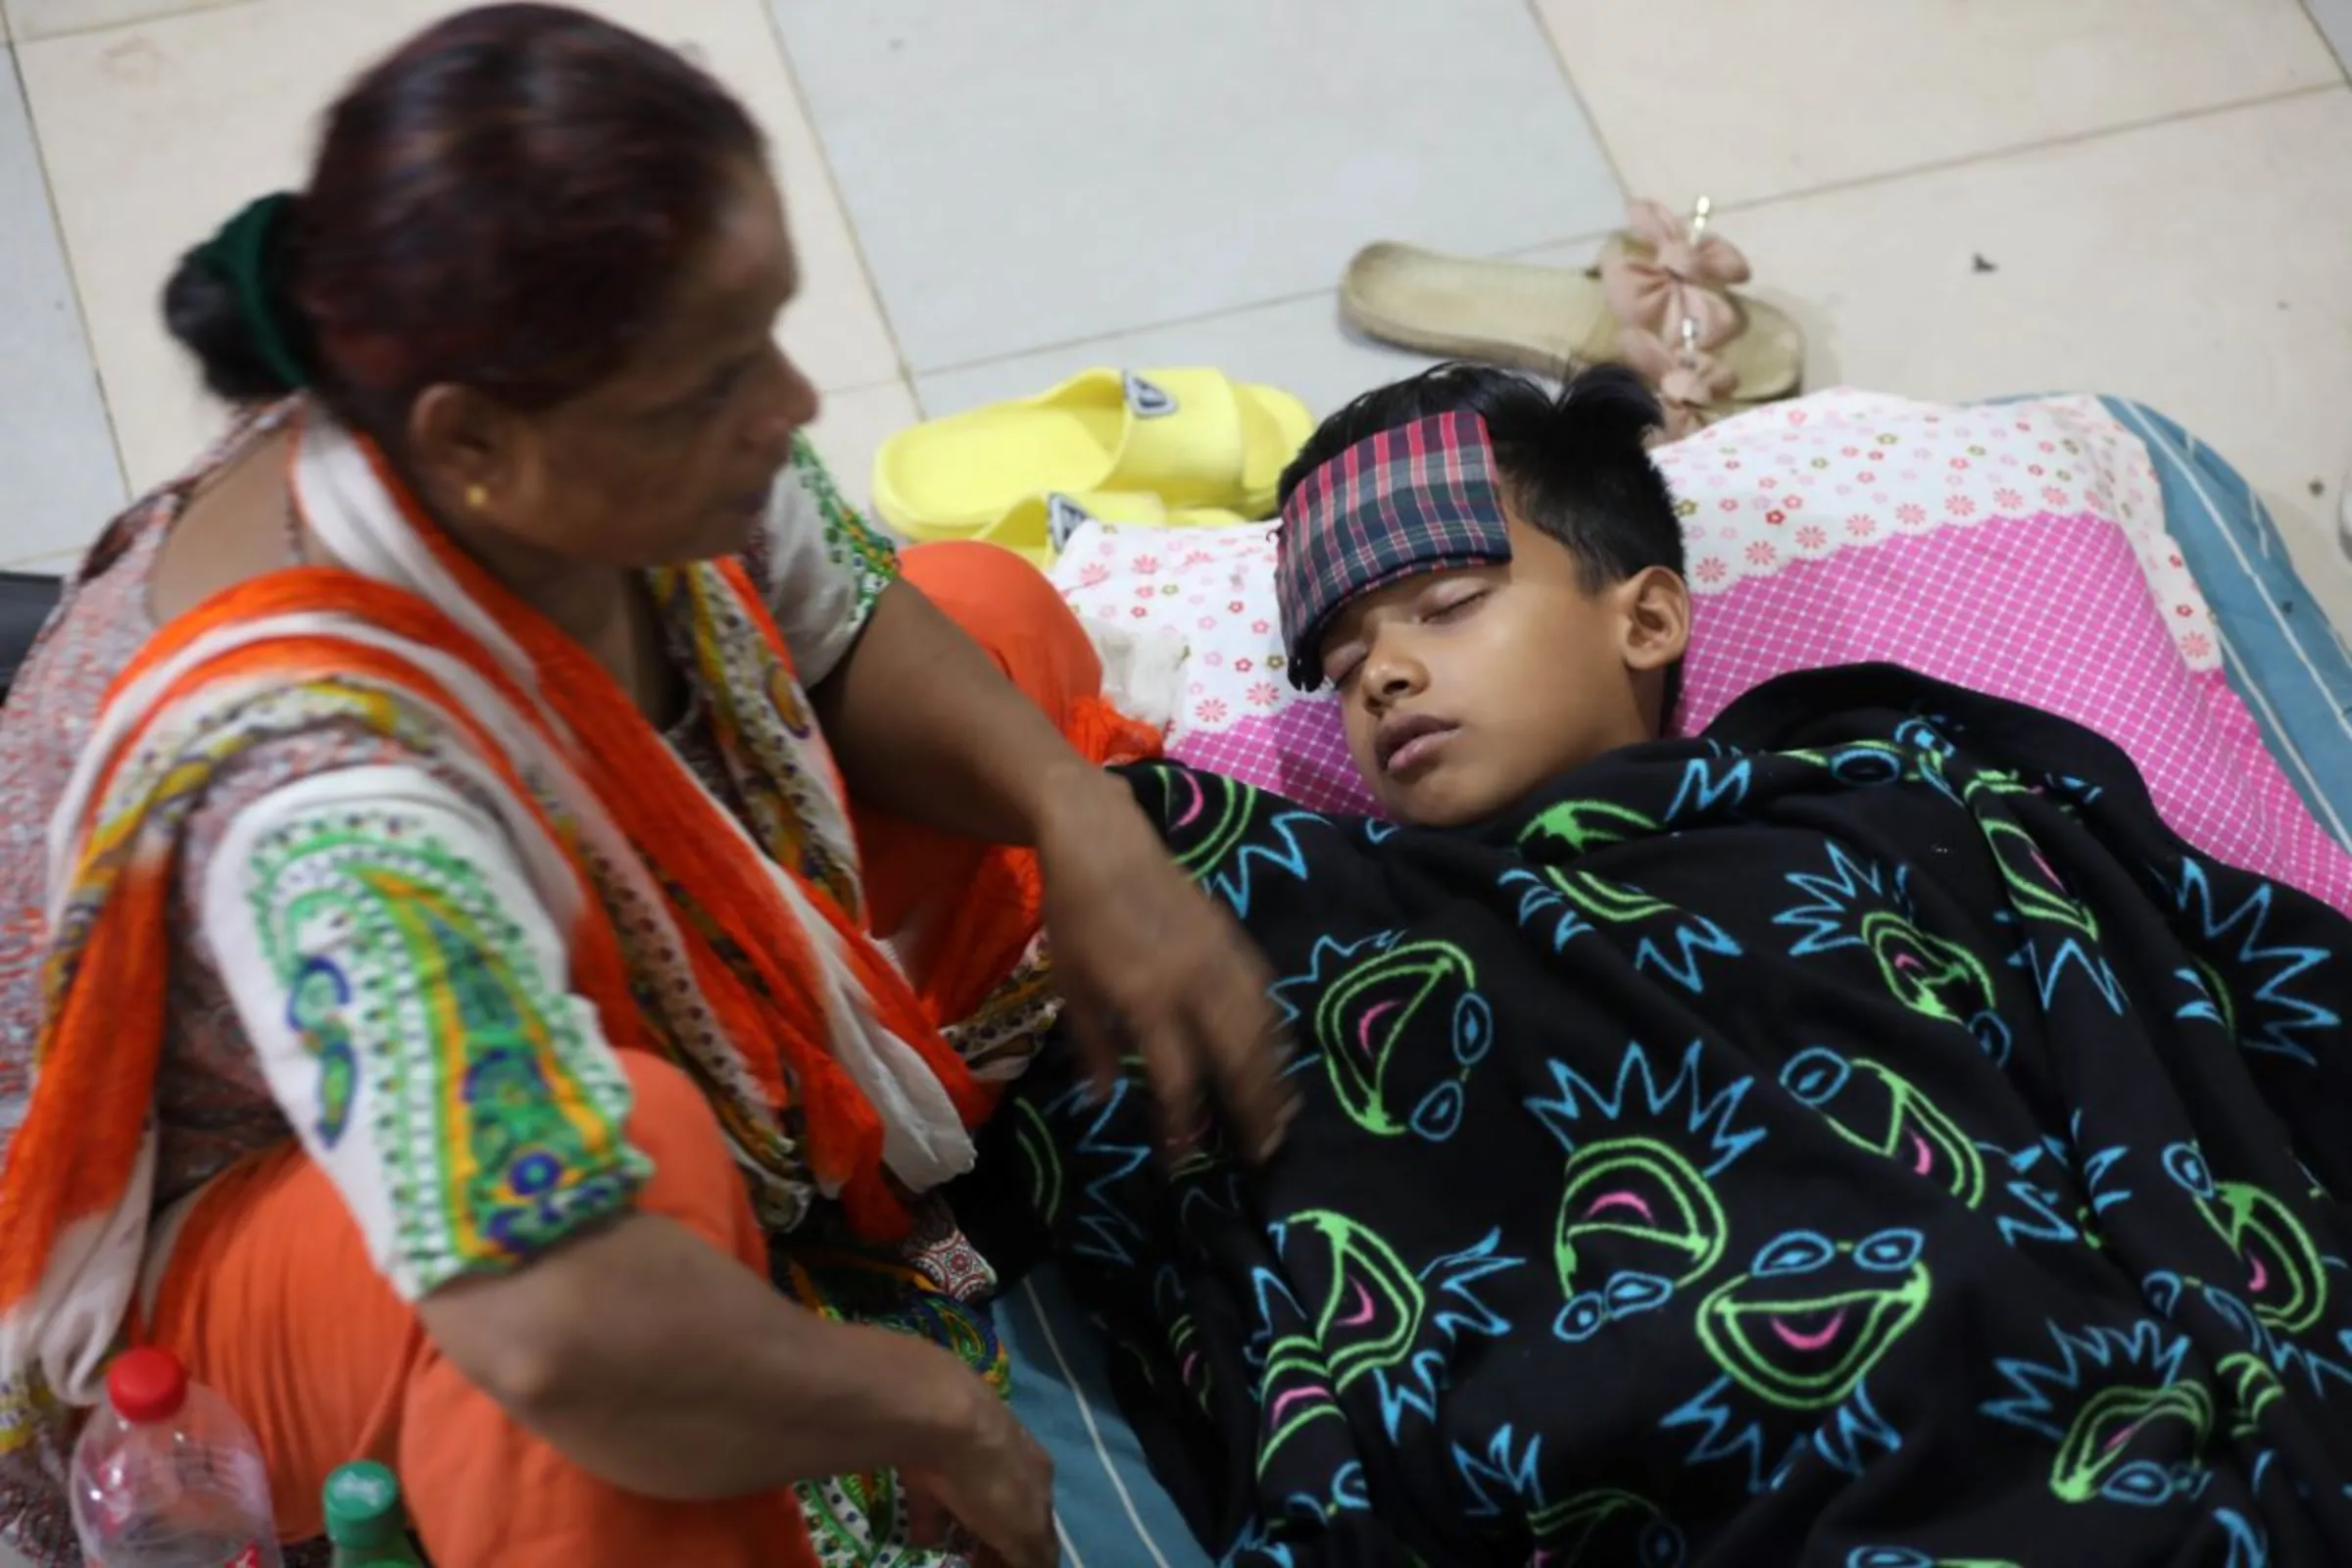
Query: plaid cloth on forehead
x=1412, y=499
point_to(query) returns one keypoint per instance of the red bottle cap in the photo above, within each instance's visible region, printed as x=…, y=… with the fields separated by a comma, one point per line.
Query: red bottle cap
x=147, y=1385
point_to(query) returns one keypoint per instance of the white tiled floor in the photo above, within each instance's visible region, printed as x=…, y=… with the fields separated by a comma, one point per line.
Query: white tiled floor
x=1755, y=101
x=1027, y=171
x=55, y=446
x=990, y=193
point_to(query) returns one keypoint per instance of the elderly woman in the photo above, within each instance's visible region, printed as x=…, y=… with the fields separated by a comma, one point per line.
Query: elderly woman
x=525, y=870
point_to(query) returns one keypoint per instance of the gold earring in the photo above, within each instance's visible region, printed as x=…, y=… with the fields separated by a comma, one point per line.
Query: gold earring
x=476, y=497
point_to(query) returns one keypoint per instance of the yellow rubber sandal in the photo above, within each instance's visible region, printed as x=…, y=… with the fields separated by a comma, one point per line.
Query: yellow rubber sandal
x=1191, y=436
x=1039, y=527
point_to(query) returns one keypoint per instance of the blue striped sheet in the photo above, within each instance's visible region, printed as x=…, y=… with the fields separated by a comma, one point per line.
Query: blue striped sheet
x=1111, y=1513
x=2285, y=662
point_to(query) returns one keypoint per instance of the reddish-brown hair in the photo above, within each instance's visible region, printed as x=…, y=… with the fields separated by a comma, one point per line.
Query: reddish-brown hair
x=501, y=203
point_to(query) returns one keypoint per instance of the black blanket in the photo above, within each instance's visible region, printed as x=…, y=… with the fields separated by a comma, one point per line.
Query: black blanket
x=1861, y=1136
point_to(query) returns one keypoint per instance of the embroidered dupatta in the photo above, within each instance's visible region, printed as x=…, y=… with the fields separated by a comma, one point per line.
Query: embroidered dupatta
x=737, y=951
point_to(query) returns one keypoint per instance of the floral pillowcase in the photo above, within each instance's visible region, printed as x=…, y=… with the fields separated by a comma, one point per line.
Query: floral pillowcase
x=2019, y=549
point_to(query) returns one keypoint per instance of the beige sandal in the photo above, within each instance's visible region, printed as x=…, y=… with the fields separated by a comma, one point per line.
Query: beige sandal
x=1513, y=313
x=1659, y=302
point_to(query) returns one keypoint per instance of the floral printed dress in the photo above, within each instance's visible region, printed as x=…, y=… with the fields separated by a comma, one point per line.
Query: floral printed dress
x=234, y=976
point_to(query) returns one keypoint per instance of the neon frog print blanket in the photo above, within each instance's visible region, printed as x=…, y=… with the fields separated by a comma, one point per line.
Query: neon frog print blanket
x=1860, y=1134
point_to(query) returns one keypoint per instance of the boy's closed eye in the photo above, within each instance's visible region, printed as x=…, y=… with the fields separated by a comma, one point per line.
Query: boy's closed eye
x=1453, y=600
x=1440, y=602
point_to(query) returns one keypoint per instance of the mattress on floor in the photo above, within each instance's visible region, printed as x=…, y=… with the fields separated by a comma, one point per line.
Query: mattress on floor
x=2284, y=661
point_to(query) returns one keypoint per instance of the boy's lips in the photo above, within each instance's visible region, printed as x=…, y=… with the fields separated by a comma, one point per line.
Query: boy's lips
x=1404, y=740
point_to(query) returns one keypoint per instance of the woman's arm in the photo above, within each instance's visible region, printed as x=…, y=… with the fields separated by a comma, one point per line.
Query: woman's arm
x=640, y=1351
x=924, y=726
x=650, y=1358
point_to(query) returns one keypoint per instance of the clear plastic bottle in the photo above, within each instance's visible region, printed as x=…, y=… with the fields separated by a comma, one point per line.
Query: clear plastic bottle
x=364, y=1518
x=167, y=1475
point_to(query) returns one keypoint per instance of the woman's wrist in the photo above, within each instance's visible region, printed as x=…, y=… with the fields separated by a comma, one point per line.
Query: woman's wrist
x=946, y=1406
x=651, y=1359
x=1067, y=796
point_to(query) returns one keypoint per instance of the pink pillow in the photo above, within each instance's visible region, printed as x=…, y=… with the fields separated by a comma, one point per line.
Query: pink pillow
x=2019, y=549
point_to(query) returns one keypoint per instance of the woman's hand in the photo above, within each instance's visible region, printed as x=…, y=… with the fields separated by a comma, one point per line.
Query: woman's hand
x=1149, y=966
x=655, y=1361
x=997, y=1484
x=927, y=727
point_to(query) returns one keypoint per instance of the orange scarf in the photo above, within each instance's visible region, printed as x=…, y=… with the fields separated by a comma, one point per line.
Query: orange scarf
x=756, y=929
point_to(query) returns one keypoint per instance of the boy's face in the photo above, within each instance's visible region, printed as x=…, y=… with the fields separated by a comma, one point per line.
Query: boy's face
x=1465, y=689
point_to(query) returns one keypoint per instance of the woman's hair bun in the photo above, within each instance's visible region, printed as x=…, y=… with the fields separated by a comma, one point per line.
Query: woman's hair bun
x=204, y=309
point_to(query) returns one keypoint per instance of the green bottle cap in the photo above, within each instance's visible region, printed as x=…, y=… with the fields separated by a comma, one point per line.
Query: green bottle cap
x=362, y=1506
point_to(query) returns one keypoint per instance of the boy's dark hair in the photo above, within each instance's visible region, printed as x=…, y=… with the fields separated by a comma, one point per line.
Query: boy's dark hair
x=1574, y=459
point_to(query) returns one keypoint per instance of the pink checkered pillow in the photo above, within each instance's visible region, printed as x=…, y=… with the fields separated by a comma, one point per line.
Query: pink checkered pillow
x=2019, y=549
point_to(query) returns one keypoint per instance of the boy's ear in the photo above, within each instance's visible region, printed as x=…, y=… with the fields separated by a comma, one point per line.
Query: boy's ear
x=1656, y=604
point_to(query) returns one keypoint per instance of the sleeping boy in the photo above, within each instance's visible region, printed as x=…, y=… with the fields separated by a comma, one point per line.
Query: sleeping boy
x=1861, y=1134
x=1489, y=577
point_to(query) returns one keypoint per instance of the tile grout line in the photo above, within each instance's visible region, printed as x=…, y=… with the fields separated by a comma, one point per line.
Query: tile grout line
x=1994, y=155
x=1968, y=160
x=1832, y=187
x=908, y=373
x=1559, y=60
x=1058, y=344
x=2343, y=67
x=1198, y=318
x=824, y=158
x=181, y=8
x=849, y=388
x=65, y=255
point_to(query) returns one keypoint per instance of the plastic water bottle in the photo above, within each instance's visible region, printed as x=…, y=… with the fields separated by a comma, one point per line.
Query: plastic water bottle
x=167, y=1475
x=363, y=1520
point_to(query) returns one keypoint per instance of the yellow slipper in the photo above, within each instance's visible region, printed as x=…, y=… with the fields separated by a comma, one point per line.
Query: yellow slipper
x=1193, y=437
x=1037, y=527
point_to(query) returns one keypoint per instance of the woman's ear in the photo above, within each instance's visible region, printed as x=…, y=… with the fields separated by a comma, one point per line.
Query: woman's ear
x=463, y=450
x=1657, y=618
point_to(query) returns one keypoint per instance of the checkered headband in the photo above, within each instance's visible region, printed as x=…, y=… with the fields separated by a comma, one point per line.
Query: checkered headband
x=1416, y=498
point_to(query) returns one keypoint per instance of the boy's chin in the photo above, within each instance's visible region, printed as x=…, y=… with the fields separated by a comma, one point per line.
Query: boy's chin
x=1441, y=798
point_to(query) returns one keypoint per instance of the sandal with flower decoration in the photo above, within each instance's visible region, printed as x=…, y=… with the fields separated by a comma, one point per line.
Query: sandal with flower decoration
x=1658, y=301
x=1673, y=281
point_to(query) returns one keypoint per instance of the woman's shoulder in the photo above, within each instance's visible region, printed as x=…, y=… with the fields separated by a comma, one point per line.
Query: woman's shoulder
x=819, y=562
x=102, y=618
x=809, y=521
